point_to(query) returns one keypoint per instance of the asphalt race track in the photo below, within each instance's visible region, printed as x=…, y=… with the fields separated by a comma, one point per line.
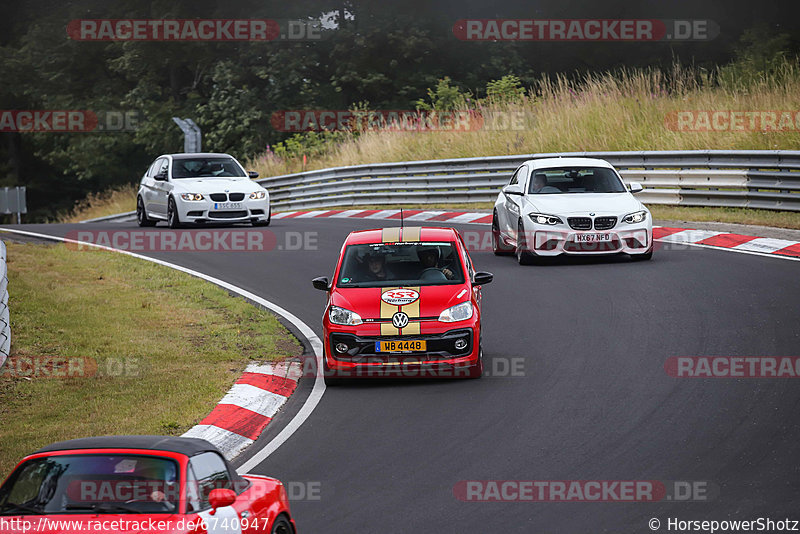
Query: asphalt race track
x=591, y=401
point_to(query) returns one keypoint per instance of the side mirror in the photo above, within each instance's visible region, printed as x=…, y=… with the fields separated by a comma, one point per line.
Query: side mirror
x=513, y=189
x=321, y=283
x=252, y=174
x=482, y=278
x=161, y=177
x=635, y=187
x=220, y=498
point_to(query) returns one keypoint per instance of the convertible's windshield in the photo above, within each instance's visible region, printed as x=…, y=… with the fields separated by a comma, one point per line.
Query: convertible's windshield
x=575, y=180
x=403, y=264
x=92, y=483
x=206, y=167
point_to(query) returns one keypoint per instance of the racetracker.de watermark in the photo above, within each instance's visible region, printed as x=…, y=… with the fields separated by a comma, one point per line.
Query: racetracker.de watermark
x=195, y=30
x=306, y=120
x=584, y=490
x=212, y=240
x=733, y=366
x=569, y=30
x=700, y=120
x=62, y=367
x=69, y=121
x=410, y=366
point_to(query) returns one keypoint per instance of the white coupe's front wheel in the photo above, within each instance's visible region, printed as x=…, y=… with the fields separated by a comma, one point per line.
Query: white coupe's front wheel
x=524, y=256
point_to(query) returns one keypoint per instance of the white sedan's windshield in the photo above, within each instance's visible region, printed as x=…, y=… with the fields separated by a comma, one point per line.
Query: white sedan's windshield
x=575, y=180
x=206, y=167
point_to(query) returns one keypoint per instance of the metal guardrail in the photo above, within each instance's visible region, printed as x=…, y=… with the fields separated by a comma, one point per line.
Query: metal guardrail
x=12, y=200
x=766, y=179
x=5, y=322
x=117, y=217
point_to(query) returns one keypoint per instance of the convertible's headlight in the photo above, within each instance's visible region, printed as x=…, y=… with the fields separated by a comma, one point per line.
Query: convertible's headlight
x=459, y=312
x=343, y=316
x=192, y=197
x=543, y=218
x=637, y=217
x=257, y=195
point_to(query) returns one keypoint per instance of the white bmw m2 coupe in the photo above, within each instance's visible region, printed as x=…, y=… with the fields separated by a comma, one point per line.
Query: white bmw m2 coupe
x=200, y=188
x=574, y=206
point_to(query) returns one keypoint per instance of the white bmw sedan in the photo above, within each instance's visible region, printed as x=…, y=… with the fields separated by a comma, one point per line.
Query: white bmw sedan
x=200, y=188
x=570, y=206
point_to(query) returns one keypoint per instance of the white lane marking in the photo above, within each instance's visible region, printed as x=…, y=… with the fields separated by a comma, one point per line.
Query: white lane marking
x=229, y=443
x=347, y=213
x=290, y=370
x=467, y=217
x=282, y=214
x=689, y=236
x=752, y=253
x=423, y=215
x=383, y=214
x=316, y=344
x=764, y=244
x=255, y=399
x=310, y=214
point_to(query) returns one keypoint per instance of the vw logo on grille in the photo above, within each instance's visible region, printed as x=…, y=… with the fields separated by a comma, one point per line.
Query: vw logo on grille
x=400, y=320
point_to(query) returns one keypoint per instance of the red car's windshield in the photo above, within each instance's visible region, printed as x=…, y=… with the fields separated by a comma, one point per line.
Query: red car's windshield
x=96, y=483
x=407, y=264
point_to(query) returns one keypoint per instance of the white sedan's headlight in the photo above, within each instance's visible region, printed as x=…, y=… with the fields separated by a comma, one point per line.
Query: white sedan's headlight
x=459, y=312
x=636, y=217
x=543, y=218
x=343, y=316
x=257, y=195
x=192, y=197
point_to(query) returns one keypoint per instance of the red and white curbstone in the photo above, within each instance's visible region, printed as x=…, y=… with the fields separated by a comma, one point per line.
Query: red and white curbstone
x=706, y=238
x=734, y=242
x=408, y=215
x=248, y=407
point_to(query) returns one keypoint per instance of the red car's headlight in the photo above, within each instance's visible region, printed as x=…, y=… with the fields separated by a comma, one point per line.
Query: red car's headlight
x=344, y=316
x=459, y=312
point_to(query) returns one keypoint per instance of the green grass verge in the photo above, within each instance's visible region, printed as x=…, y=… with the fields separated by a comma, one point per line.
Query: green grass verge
x=166, y=347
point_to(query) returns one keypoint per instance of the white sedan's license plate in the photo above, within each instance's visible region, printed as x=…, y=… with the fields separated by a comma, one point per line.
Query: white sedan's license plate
x=592, y=238
x=227, y=205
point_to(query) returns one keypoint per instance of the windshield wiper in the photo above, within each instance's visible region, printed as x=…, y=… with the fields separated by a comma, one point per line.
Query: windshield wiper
x=27, y=508
x=105, y=508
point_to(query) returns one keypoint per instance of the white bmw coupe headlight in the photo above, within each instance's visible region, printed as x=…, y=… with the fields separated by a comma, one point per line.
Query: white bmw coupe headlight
x=636, y=217
x=459, y=312
x=257, y=195
x=543, y=218
x=192, y=197
x=344, y=316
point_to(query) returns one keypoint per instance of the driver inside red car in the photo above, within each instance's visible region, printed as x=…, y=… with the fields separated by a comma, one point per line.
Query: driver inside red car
x=429, y=258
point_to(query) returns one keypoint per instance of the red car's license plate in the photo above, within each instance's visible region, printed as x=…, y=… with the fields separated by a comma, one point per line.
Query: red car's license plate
x=406, y=345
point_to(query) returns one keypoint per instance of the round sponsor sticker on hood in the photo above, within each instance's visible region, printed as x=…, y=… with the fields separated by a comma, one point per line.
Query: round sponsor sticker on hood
x=399, y=297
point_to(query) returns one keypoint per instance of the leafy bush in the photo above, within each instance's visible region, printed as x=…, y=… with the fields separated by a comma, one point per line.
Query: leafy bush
x=444, y=98
x=506, y=90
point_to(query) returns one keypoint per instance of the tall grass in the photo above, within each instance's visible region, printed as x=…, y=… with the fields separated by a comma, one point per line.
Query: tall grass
x=620, y=110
